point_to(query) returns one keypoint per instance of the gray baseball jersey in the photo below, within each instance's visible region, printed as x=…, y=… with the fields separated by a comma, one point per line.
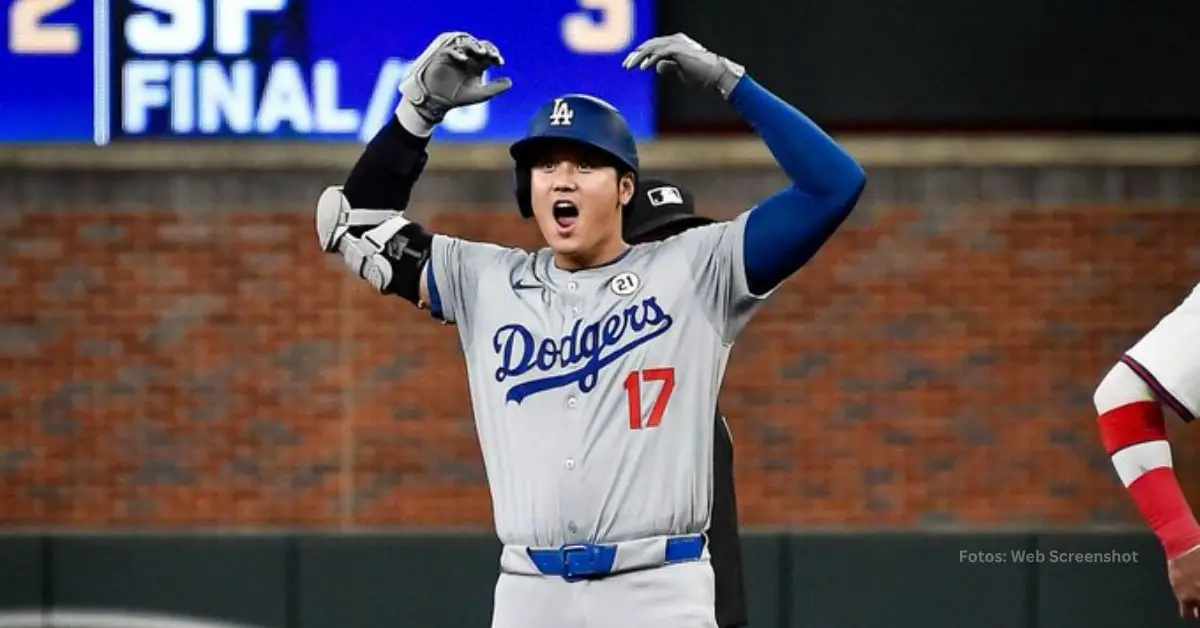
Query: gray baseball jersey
x=593, y=390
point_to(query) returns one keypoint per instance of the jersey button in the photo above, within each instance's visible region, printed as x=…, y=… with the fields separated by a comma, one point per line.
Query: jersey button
x=572, y=285
x=575, y=311
x=570, y=464
x=572, y=527
x=572, y=402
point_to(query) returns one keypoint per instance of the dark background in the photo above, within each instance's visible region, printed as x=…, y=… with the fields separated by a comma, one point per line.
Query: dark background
x=390, y=581
x=894, y=65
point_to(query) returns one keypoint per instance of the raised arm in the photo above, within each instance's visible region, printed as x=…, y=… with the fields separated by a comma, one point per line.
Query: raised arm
x=783, y=232
x=383, y=177
x=364, y=220
x=788, y=228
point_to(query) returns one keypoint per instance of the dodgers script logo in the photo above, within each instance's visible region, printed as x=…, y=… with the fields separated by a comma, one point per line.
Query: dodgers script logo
x=591, y=346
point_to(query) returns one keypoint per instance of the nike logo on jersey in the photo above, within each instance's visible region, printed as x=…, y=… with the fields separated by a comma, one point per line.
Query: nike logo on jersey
x=592, y=345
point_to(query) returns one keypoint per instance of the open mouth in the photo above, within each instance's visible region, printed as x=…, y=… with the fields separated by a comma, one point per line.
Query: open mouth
x=566, y=213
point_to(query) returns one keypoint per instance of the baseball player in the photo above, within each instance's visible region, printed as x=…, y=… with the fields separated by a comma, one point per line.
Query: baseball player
x=659, y=210
x=590, y=361
x=1161, y=369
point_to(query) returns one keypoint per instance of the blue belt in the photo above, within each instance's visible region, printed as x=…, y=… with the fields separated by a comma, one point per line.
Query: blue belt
x=588, y=561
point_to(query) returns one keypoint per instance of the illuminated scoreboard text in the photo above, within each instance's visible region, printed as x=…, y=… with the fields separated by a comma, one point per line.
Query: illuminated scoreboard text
x=311, y=69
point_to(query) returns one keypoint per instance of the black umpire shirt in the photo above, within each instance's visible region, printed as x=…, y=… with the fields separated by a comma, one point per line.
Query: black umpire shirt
x=384, y=177
x=725, y=545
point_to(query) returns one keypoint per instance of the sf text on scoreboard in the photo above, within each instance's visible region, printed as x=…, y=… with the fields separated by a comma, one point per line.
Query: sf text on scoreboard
x=105, y=70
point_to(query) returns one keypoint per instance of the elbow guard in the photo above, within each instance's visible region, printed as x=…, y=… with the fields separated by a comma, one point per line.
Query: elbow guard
x=390, y=257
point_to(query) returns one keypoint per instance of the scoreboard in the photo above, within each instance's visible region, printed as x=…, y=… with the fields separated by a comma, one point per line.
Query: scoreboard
x=123, y=70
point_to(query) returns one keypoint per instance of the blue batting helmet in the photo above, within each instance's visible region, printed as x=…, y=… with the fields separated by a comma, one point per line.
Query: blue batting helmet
x=579, y=118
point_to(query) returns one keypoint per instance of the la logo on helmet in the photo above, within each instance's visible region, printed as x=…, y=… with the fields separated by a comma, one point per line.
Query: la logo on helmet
x=561, y=114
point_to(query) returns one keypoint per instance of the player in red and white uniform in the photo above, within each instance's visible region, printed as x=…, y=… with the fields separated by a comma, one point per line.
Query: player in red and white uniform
x=1160, y=370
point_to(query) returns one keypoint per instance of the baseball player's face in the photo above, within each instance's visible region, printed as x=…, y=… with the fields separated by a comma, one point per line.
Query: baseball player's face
x=577, y=200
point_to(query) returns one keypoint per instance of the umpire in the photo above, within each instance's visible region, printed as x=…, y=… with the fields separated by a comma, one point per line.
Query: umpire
x=660, y=209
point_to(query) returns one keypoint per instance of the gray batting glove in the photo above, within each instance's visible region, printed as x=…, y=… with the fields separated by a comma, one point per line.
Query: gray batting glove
x=680, y=55
x=447, y=75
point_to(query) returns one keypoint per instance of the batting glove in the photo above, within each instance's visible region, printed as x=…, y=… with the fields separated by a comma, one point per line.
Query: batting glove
x=447, y=75
x=680, y=55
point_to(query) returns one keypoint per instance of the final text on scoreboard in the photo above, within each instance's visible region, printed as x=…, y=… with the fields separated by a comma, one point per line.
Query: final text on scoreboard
x=203, y=67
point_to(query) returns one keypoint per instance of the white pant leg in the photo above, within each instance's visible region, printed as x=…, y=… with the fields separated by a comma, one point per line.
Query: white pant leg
x=536, y=602
x=682, y=595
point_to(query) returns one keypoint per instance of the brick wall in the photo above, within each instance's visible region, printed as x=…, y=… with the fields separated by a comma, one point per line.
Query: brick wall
x=169, y=365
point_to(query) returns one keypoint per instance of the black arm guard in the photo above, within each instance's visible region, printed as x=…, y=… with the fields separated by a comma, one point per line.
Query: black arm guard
x=406, y=253
x=384, y=175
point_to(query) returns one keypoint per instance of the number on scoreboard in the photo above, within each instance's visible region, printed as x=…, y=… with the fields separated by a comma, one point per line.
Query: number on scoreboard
x=611, y=33
x=29, y=32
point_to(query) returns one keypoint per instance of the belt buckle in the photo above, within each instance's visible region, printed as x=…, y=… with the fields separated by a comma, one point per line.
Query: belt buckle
x=568, y=554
